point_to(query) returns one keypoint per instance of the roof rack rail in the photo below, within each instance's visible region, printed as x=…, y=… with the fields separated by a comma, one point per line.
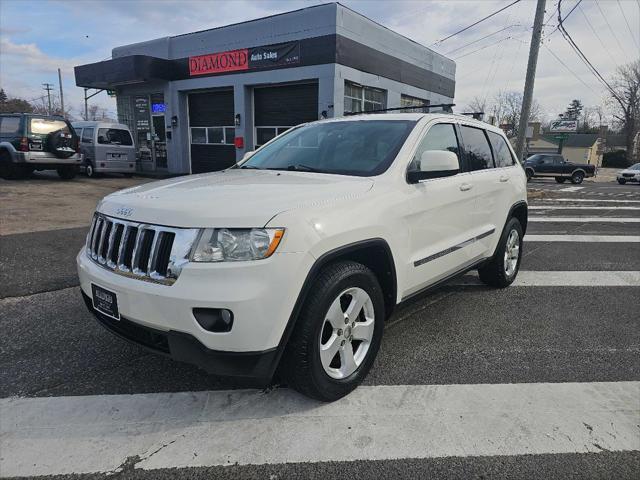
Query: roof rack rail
x=445, y=106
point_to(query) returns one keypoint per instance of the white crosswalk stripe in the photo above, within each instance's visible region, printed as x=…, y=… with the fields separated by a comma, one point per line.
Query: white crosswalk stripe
x=541, y=218
x=96, y=433
x=583, y=238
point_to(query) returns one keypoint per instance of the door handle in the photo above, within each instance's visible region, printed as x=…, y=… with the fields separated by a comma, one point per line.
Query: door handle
x=504, y=178
x=465, y=187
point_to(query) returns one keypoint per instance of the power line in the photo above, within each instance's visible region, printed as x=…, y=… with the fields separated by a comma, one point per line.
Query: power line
x=482, y=48
x=581, y=55
x=569, y=70
x=567, y=16
x=474, y=24
x=608, y=25
x=595, y=33
x=482, y=38
x=628, y=27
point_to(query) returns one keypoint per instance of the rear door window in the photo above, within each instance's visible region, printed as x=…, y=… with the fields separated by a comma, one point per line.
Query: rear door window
x=501, y=151
x=114, y=136
x=44, y=126
x=9, y=125
x=477, y=148
x=87, y=135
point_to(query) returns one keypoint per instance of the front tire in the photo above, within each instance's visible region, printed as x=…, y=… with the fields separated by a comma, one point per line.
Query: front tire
x=622, y=181
x=577, y=178
x=337, y=333
x=503, y=268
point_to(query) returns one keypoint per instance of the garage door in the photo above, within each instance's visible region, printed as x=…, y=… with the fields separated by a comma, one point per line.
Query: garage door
x=280, y=108
x=211, y=131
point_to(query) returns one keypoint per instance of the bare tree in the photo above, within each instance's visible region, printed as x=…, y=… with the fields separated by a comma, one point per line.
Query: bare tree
x=626, y=103
x=506, y=110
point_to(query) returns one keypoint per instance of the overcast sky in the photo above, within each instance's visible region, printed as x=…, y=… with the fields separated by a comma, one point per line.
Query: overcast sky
x=37, y=37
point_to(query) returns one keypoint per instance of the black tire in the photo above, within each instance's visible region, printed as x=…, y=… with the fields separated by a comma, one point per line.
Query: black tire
x=622, y=181
x=301, y=367
x=577, y=178
x=89, y=170
x=12, y=171
x=60, y=143
x=529, y=173
x=561, y=179
x=67, y=173
x=494, y=273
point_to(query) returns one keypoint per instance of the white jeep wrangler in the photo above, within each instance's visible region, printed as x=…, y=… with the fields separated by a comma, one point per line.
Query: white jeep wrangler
x=293, y=259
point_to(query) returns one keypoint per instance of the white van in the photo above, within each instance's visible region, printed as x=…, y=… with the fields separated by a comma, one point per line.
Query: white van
x=107, y=147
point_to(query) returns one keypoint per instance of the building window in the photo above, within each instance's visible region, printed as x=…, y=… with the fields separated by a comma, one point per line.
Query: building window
x=265, y=134
x=213, y=135
x=359, y=98
x=409, y=101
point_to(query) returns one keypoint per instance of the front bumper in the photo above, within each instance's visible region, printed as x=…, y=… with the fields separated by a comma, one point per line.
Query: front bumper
x=635, y=179
x=261, y=294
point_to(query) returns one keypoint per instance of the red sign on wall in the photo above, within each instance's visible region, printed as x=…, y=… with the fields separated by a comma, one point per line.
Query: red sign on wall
x=231, y=61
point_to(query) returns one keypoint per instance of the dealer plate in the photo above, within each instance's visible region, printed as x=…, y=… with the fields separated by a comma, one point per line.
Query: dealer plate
x=105, y=302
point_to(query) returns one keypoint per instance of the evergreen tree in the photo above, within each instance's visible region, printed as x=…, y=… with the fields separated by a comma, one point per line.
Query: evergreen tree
x=574, y=110
x=3, y=96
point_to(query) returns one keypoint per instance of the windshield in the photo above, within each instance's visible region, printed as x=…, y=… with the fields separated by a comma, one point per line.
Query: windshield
x=358, y=147
x=635, y=167
x=114, y=136
x=533, y=158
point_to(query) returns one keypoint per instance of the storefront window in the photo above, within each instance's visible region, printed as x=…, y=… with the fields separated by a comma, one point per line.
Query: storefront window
x=360, y=98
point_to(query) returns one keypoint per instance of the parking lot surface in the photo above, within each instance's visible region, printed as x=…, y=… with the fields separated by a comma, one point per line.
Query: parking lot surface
x=540, y=380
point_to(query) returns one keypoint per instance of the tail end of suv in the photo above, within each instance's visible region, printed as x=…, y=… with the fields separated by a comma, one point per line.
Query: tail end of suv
x=31, y=142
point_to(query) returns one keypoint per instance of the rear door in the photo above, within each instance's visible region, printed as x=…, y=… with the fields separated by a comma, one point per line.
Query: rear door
x=486, y=189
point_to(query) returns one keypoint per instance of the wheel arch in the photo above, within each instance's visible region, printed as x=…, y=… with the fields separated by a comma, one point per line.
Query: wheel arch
x=520, y=210
x=374, y=253
x=579, y=169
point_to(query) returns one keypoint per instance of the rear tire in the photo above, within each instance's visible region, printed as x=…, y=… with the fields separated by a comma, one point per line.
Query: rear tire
x=561, y=179
x=326, y=325
x=67, y=173
x=12, y=171
x=503, y=267
x=90, y=171
x=577, y=178
x=622, y=181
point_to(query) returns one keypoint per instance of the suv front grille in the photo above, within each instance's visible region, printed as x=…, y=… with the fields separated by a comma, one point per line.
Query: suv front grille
x=139, y=250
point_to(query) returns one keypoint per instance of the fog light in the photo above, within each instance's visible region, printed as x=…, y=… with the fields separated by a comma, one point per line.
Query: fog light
x=214, y=319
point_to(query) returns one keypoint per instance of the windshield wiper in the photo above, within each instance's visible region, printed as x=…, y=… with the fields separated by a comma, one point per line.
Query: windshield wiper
x=299, y=167
x=249, y=167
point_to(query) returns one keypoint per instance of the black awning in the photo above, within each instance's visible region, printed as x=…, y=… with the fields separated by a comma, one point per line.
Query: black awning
x=126, y=70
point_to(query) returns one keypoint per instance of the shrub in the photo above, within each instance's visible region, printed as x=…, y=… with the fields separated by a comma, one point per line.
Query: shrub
x=615, y=159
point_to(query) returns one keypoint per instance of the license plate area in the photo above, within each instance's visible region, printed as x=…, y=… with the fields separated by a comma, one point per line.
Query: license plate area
x=105, y=301
x=114, y=156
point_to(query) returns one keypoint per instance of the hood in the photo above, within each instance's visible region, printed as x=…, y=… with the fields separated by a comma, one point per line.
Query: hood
x=231, y=198
x=628, y=170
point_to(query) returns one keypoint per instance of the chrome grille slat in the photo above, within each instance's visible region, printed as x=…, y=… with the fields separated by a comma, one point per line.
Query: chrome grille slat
x=133, y=249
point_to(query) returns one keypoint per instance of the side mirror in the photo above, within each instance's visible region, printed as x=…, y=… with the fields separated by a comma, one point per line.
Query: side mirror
x=248, y=155
x=434, y=164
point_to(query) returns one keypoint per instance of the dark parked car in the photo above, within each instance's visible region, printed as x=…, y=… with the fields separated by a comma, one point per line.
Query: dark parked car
x=554, y=165
x=31, y=142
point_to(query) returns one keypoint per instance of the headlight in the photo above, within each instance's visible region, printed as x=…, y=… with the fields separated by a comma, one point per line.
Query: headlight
x=236, y=244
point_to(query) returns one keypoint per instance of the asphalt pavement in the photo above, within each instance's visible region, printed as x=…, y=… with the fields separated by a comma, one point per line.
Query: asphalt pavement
x=582, y=338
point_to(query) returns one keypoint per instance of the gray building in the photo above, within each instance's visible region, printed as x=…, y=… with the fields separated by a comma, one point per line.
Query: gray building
x=197, y=102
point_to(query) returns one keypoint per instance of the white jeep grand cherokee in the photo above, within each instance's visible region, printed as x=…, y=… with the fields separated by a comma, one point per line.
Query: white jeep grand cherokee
x=293, y=259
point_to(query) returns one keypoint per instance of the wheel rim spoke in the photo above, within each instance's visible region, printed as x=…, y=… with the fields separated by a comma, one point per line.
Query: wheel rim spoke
x=328, y=350
x=335, y=315
x=347, y=360
x=358, y=299
x=363, y=331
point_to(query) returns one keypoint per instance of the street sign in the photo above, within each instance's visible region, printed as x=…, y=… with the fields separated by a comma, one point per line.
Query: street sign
x=561, y=136
x=558, y=126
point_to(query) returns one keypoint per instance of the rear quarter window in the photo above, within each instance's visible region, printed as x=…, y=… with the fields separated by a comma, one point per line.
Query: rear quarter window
x=9, y=125
x=501, y=151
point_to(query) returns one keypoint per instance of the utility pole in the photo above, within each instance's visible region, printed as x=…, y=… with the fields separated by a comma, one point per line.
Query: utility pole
x=531, y=76
x=61, y=94
x=48, y=87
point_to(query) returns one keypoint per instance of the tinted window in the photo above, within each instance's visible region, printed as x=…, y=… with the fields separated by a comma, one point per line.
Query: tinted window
x=546, y=160
x=439, y=137
x=477, y=148
x=87, y=135
x=44, y=126
x=361, y=148
x=501, y=151
x=9, y=125
x=114, y=136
